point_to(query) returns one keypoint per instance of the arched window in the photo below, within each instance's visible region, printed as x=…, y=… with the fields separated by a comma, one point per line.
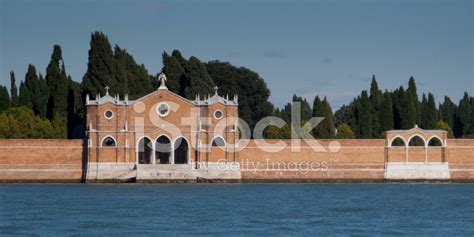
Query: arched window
x=218, y=141
x=434, y=141
x=144, y=151
x=398, y=142
x=109, y=142
x=162, y=150
x=416, y=141
x=181, y=151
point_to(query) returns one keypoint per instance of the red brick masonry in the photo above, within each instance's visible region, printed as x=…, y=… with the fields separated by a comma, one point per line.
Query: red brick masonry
x=40, y=160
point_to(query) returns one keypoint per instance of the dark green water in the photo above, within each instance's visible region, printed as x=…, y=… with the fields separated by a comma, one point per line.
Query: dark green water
x=237, y=209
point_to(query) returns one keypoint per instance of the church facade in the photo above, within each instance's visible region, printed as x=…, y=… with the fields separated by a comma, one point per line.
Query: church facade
x=160, y=131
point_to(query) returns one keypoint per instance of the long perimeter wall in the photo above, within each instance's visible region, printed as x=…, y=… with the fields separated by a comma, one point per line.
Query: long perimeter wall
x=286, y=161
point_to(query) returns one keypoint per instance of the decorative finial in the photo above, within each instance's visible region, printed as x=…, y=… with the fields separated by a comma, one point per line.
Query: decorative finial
x=416, y=125
x=106, y=90
x=215, y=89
x=162, y=79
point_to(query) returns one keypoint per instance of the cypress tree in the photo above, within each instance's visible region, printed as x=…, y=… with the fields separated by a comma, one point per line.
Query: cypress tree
x=327, y=125
x=375, y=99
x=101, y=67
x=24, y=98
x=134, y=77
x=464, y=116
x=4, y=99
x=319, y=112
x=471, y=131
x=175, y=74
x=38, y=93
x=424, y=112
x=199, y=82
x=253, y=92
x=432, y=112
x=305, y=113
x=448, y=111
x=412, y=98
x=57, y=83
x=399, y=109
x=413, y=105
x=365, y=116
x=386, y=113
x=75, y=111
x=13, y=90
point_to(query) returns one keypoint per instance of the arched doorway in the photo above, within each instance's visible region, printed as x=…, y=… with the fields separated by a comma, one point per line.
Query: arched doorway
x=416, y=141
x=416, y=149
x=144, y=151
x=181, y=151
x=434, y=141
x=162, y=150
x=398, y=142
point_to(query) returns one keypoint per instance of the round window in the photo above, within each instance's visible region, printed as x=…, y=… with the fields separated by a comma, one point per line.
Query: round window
x=163, y=109
x=109, y=114
x=218, y=114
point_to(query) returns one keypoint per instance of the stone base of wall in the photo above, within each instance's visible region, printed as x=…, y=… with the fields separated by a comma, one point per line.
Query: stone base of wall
x=40, y=173
x=196, y=172
x=417, y=171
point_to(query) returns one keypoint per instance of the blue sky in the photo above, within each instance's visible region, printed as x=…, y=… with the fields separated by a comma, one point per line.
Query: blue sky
x=330, y=48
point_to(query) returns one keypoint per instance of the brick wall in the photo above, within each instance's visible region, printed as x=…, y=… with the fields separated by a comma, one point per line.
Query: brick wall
x=41, y=160
x=345, y=160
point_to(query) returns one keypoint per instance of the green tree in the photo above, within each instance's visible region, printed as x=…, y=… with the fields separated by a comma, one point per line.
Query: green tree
x=57, y=84
x=424, y=112
x=327, y=125
x=199, y=81
x=386, y=113
x=59, y=127
x=4, y=99
x=448, y=111
x=175, y=74
x=432, y=112
x=464, y=117
x=319, y=111
x=376, y=100
x=365, y=116
x=413, y=114
x=23, y=124
x=344, y=132
x=471, y=131
x=135, y=77
x=252, y=90
x=444, y=126
x=25, y=99
x=101, y=68
x=305, y=108
x=13, y=90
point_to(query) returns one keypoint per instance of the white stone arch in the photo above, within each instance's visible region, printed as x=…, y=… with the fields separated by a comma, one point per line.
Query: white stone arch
x=432, y=137
x=416, y=135
x=108, y=136
x=137, y=150
x=189, y=147
x=395, y=137
x=219, y=136
x=172, y=147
